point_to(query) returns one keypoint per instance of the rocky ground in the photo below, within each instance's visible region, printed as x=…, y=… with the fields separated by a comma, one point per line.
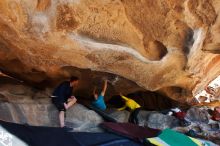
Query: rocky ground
x=200, y=123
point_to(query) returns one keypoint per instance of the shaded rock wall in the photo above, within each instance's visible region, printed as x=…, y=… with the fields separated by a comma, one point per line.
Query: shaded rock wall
x=165, y=46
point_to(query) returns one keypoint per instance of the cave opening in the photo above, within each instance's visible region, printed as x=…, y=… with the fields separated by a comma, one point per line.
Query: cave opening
x=88, y=80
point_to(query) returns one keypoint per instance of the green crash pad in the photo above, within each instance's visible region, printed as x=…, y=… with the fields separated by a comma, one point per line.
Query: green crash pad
x=174, y=138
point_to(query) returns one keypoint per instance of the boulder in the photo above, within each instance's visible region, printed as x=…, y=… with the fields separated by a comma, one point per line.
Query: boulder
x=196, y=114
x=156, y=120
x=120, y=116
x=45, y=114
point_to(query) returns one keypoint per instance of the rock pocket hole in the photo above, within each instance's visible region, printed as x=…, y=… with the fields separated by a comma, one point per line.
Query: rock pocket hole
x=156, y=50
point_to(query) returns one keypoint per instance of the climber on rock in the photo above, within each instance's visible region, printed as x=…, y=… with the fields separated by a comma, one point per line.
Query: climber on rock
x=62, y=97
x=99, y=98
x=134, y=108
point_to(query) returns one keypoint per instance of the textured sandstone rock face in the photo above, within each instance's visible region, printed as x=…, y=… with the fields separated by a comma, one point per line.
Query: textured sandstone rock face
x=164, y=46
